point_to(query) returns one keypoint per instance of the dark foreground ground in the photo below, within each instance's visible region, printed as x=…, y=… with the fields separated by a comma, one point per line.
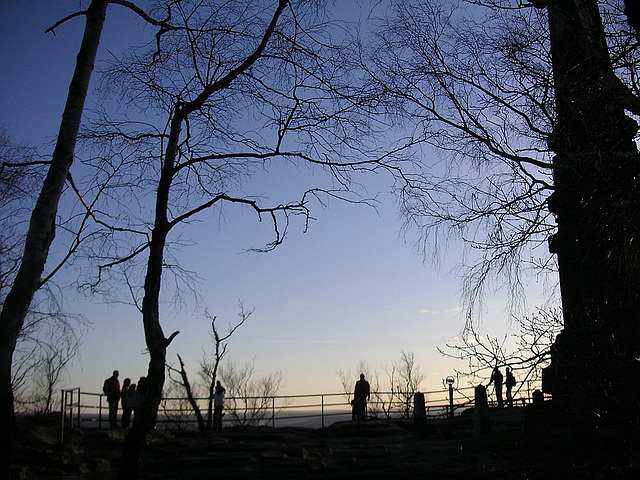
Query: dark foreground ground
x=513, y=449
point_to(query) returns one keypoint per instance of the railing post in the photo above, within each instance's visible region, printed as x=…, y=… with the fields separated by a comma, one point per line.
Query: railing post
x=62, y=393
x=450, y=402
x=419, y=410
x=100, y=413
x=70, y=404
x=322, y=401
x=79, y=402
x=481, y=416
x=273, y=412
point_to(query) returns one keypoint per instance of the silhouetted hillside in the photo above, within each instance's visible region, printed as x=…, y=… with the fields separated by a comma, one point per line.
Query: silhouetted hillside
x=374, y=449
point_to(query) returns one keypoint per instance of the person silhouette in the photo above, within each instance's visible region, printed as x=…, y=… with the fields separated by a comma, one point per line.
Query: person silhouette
x=218, y=405
x=111, y=388
x=361, y=394
x=132, y=404
x=496, y=379
x=510, y=382
x=124, y=397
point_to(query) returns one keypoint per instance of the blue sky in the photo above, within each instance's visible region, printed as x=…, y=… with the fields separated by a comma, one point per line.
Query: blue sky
x=350, y=289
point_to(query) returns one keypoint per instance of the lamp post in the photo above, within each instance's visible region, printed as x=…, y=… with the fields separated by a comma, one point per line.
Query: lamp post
x=450, y=381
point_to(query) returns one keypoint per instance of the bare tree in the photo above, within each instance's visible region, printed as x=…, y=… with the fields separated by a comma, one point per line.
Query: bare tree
x=185, y=386
x=28, y=277
x=20, y=169
x=195, y=149
x=479, y=115
x=176, y=409
x=527, y=350
x=348, y=378
x=249, y=401
x=41, y=230
x=209, y=366
x=18, y=172
x=382, y=401
x=405, y=378
x=530, y=108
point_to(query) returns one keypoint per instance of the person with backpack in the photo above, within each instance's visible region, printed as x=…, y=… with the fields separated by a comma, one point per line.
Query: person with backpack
x=111, y=388
x=361, y=394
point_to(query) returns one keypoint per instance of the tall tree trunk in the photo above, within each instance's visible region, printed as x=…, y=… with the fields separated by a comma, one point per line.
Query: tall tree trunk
x=146, y=414
x=596, y=203
x=42, y=225
x=632, y=11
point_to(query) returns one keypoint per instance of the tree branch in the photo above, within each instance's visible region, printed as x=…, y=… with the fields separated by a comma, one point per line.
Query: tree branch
x=65, y=19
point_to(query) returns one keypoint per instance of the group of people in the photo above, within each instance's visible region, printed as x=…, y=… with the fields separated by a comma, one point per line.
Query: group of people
x=362, y=392
x=128, y=396
x=497, y=380
x=130, y=393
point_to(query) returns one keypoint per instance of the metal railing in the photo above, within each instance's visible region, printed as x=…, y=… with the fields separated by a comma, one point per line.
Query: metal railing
x=69, y=404
x=88, y=410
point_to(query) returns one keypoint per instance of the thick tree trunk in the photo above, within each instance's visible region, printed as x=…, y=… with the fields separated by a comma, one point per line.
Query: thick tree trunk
x=42, y=224
x=157, y=344
x=596, y=202
x=146, y=414
x=151, y=394
x=632, y=10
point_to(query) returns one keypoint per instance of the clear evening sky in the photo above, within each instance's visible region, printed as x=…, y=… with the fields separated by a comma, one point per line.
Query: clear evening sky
x=350, y=289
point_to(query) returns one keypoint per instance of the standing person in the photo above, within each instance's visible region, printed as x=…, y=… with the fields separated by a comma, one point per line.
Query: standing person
x=510, y=382
x=361, y=394
x=496, y=379
x=127, y=392
x=218, y=405
x=132, y=403
x=123, y=392
x=111, y=388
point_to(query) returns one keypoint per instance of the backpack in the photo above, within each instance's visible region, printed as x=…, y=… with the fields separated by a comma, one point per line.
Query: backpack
x=109, y=388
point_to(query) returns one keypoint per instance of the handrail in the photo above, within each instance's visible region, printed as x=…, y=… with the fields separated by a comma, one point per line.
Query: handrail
x=273, y=409
x=67, y=405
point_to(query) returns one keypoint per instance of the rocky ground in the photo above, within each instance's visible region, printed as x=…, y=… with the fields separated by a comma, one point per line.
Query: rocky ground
x=513, y=449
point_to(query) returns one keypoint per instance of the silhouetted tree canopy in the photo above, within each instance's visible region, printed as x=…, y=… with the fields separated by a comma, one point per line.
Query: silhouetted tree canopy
x=526, y=114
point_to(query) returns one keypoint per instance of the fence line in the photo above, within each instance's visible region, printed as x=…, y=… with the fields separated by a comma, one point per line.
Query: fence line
x=284, y=410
